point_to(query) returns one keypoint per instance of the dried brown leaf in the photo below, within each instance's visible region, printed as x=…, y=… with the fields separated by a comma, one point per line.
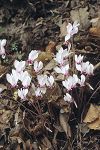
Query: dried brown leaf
x=95, y=125
x=92, y=114
x=3, y=87
x=3, y=70
x=54, y=93
x=45, y=56
x=46, y=143
x=50, y=65
x=51, y=47
x=81, y=15
x=92, y=117
x=95, y=31
x=63, y=29
x=63, y=118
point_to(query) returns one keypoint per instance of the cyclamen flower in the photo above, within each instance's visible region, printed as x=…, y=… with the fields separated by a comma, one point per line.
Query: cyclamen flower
x=50, y=81
x=63, y=69
x=12, y=78
x=61, y=56
x=78, y=59
x=32, y=56
x=22, y=93
x=82, y=80
x=42, y=80
x=71, y=30
x=40, y=91
x=2, y=49
x=19, y=65
x=90, y=69
x=25, y=79
x=38, y=66
x=26, y=82
x=68, y=98
x=71, y=82
x=85, y=68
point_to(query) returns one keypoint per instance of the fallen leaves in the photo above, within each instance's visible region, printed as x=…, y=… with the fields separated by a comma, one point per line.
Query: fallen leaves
x=63, y=118
x=45, y=56
x=63, y=29
x=81, y=15
x=95, y=29
x=5, y=116
x=92, y=118
x=3, y=71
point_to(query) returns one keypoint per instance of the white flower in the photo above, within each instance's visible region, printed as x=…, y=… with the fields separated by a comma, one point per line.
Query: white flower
x=71, y=30
x=82, y=80
x=12, y=78
x=61, y=56
x=22, y=75
x=26, y=82
x=62, y=69
x=38, y=66
x=90, y=69
x=25, y=79
x=79, y=67
x=32, y=56
x=67, y=85
x=68, y=98
x=22, y=93
x=78, y=59
x=50, y=81
x=85, y=67
x=40, y=91
x=71, y=82
x=42, y=80
x=19, y=65
x=75, y=79
x=2, y=49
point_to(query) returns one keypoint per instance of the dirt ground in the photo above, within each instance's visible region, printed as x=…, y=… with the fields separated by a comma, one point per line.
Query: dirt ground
x=34, y=25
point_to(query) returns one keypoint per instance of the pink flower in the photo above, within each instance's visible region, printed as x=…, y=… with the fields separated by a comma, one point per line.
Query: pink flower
x=68, y=98
x=32, y=56
x=85, y=68
x=19, y=65
x=39, y=91
x=71, y=30
x=61, y=56
x=50, y=81
x=2, y=49
x=12, y=78
x=78, y=59
x=42, y=80
x=22, y=93
x=71, y=82
x=82, y=80
x=25, y=79
x=63, y=69
x=38, y=66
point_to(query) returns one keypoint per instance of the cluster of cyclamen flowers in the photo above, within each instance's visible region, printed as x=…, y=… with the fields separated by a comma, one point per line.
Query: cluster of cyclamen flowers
x=62, y=59
x=83, y=69
x=19, y=75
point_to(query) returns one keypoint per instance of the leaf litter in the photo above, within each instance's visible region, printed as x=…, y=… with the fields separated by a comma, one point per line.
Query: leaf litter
x=25, y=126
